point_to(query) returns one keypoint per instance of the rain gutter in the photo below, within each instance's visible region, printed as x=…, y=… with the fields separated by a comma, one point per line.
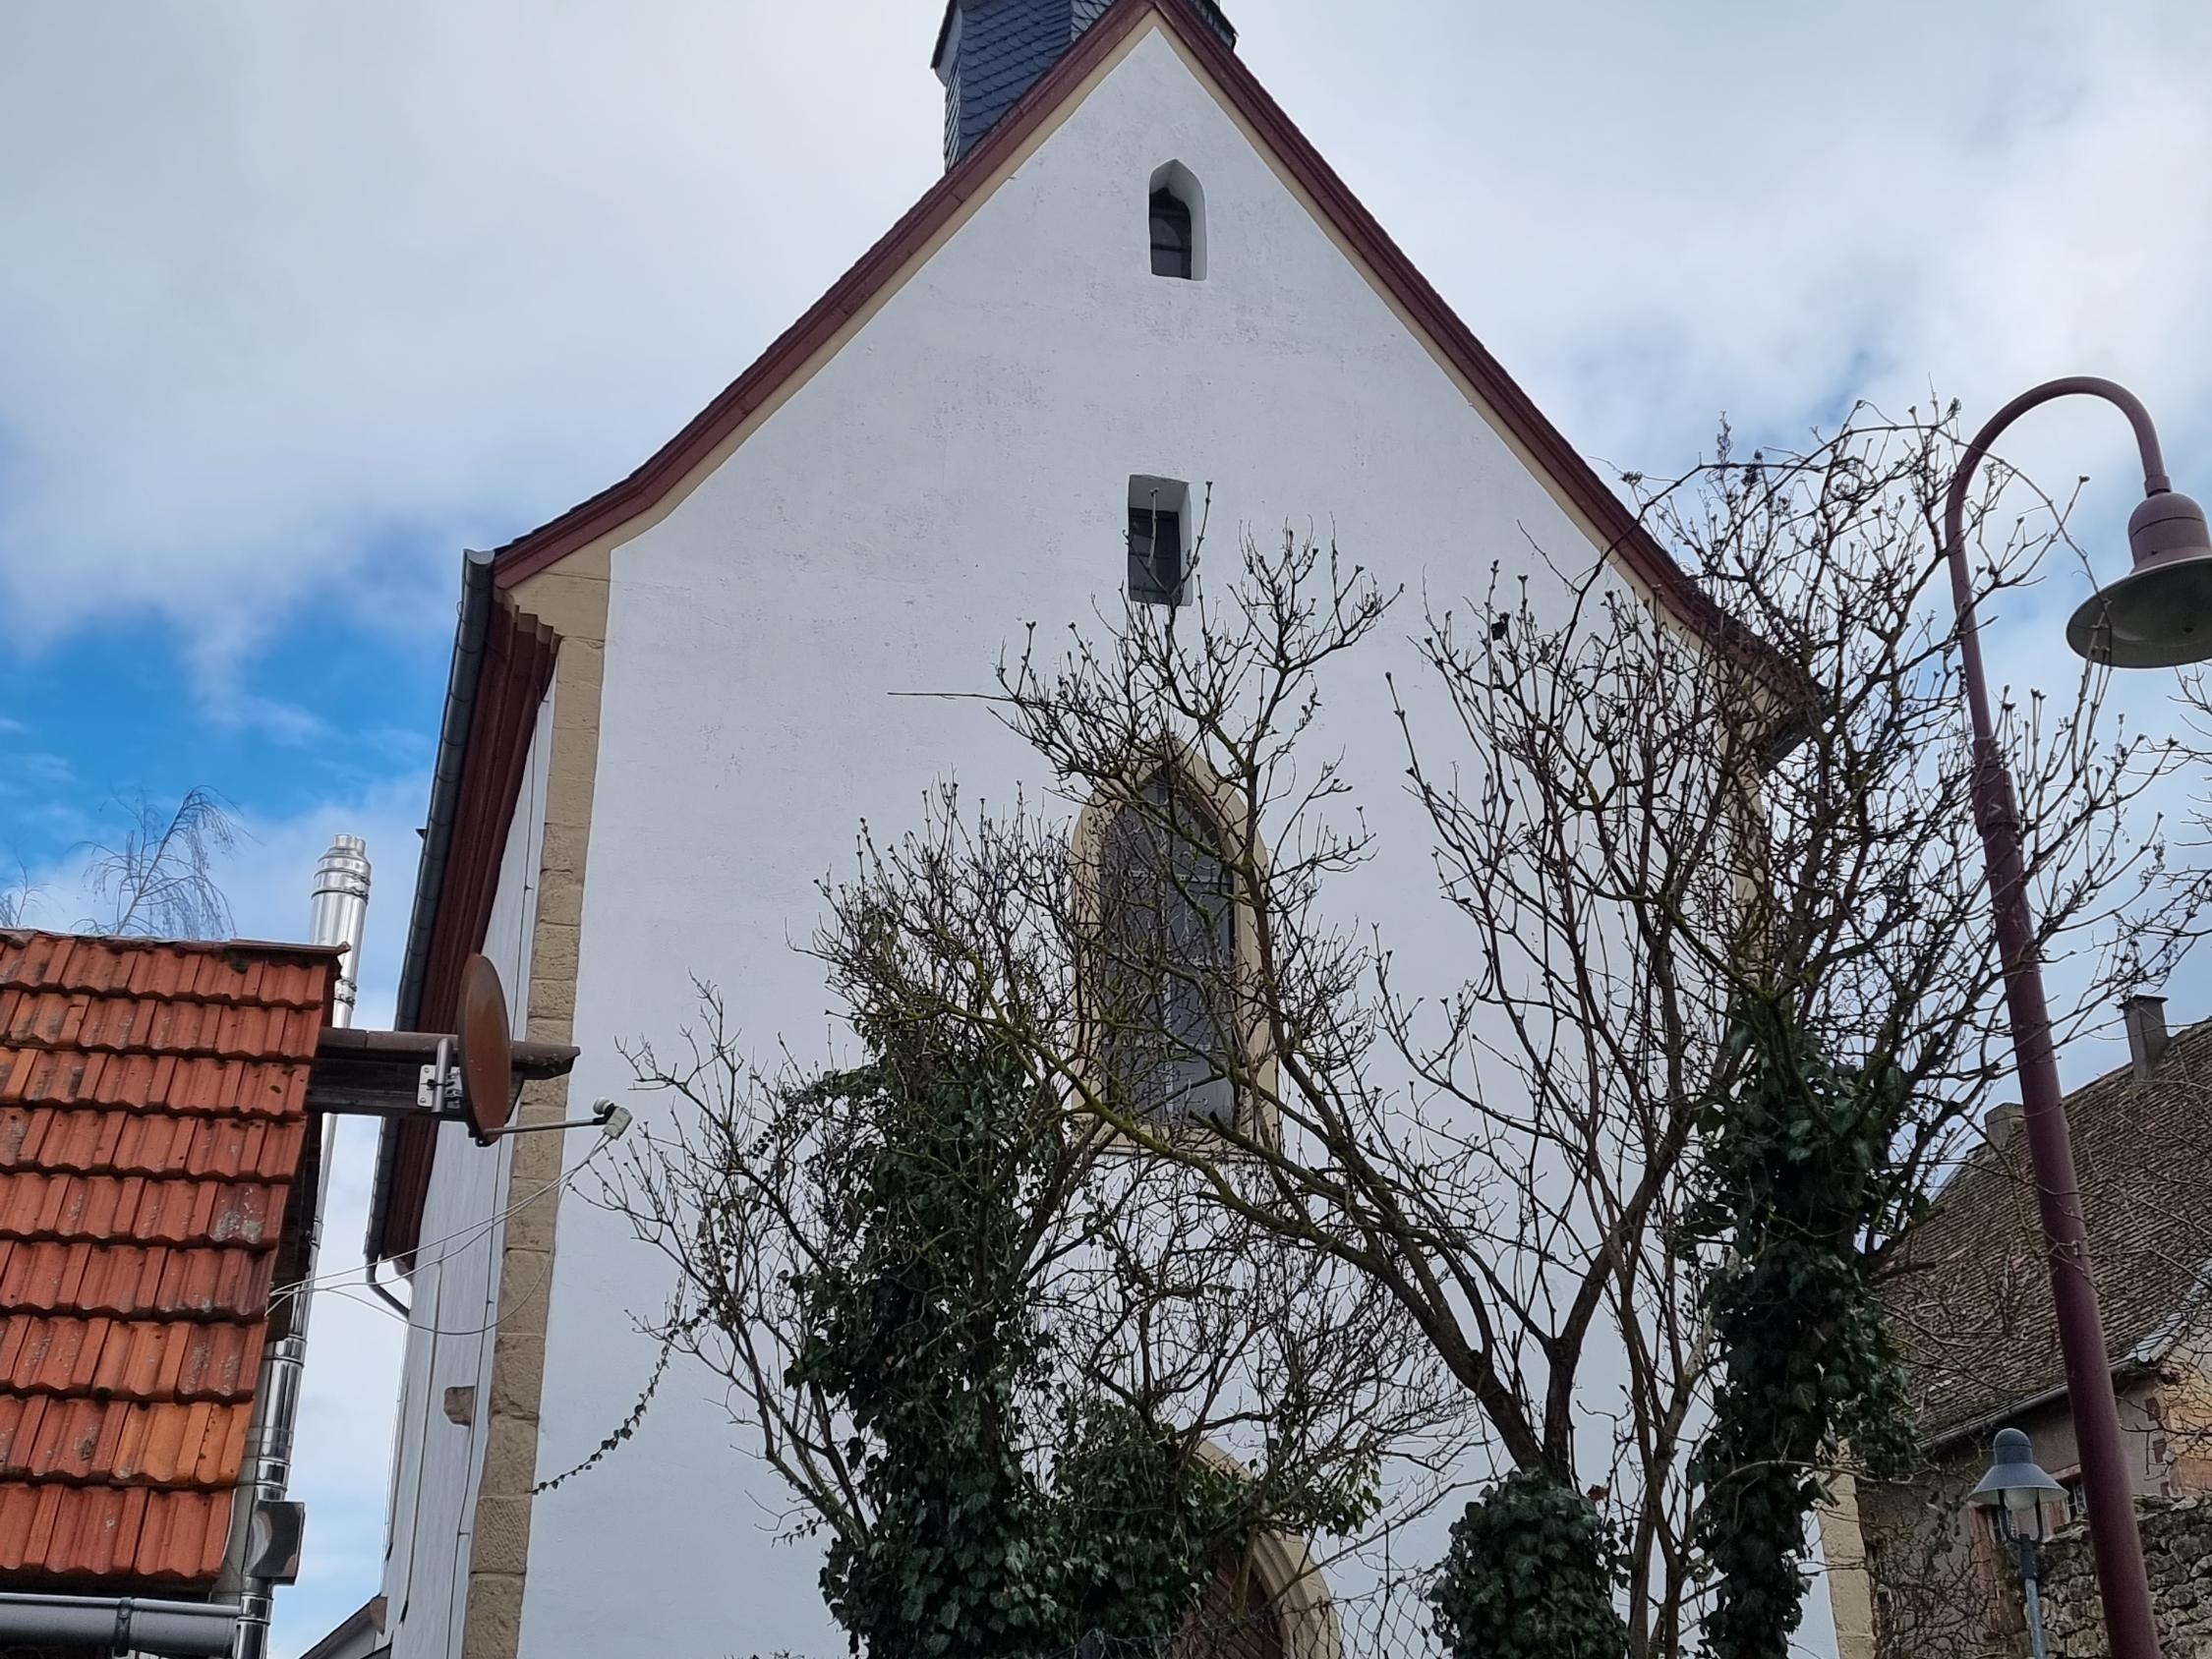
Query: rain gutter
x=475, y=625
x=189, y=1629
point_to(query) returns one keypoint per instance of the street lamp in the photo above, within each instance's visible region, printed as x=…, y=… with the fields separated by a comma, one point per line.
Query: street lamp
x=2014, y=1492
x=2158, y=615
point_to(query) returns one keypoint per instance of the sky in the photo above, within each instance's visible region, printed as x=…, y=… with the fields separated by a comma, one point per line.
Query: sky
x=298, y=301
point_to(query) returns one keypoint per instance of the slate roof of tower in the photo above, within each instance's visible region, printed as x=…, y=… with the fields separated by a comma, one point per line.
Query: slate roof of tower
x=1972, y=1304
x=1089, y=12
x=1003, y=53
x=152, y=1118
x=1006, y=47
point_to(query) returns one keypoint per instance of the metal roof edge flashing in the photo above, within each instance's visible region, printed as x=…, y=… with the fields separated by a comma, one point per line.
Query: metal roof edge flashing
x=470, y=631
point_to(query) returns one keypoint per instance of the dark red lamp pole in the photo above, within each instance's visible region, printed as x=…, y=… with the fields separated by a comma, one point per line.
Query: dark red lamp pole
x=2158, y=615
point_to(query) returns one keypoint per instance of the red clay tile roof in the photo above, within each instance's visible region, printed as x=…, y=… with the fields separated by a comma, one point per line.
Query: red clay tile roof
x=1972, y=1305
x=153, y=1116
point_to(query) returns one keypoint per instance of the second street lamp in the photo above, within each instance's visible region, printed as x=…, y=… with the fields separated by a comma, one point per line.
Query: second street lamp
x=2014, y=1492
x=2158, y=615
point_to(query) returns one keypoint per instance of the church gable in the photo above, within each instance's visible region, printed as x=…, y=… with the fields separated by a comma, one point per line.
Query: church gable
x=922, y=241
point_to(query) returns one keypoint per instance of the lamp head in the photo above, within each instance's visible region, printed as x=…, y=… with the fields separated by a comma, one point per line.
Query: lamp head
x=2015, y=1482
x=2159, y=615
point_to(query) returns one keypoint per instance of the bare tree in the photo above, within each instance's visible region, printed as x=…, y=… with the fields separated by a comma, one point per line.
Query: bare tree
x=158, y=881
x=1653, y=832
x=1111, y=1289
x=15, y=895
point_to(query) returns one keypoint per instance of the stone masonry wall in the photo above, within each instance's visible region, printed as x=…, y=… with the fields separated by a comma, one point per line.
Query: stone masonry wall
x=2176, y=1551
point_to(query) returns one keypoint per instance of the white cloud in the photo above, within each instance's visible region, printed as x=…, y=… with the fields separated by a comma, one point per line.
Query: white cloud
x=43, y=769
x=308, y=277
x=317, y=279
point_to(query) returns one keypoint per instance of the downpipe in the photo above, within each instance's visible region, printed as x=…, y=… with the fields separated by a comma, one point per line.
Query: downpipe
x=270, y=1460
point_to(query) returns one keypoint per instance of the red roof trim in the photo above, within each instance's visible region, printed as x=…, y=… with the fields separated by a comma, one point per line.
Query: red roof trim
x=858, y=287
x=517, y=667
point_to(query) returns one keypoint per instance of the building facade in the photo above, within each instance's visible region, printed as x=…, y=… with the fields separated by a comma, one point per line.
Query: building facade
x=1974, y=1314
x=1137, y=290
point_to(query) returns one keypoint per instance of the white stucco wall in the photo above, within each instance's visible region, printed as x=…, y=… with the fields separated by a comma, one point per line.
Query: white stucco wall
x=438, y=1462
x=958, y=470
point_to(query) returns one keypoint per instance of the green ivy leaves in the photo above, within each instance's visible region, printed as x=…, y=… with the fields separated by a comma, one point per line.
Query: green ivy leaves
x=1529, y=1575
x=922, y=1329
x=1797, y=1174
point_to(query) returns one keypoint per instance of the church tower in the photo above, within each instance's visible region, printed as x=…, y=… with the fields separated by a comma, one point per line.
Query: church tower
x=989, y=53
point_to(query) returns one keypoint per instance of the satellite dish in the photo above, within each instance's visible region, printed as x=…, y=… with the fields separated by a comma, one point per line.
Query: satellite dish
x=487, y=1050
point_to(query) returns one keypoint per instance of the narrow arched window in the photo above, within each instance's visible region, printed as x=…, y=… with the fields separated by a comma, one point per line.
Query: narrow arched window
x=1162, y=986
x=1268, y=1602
x=1178, y=223
x=1171, y=236
x=1236, y=1617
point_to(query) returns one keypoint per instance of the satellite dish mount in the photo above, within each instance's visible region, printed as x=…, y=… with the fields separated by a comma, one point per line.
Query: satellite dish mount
x=472, y=1079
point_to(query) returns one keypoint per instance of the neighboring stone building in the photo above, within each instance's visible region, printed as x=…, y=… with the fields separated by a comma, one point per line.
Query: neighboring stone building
x=2177, y=1558
x=1973, y=1313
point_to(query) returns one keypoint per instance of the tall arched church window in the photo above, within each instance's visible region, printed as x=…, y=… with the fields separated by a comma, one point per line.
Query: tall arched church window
x=1271, y=1602
x=1162, y=982
x=1236, y=1619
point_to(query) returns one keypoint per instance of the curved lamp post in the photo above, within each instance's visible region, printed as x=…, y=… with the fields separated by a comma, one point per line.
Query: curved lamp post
x=2016, y=1491
x=2158, y=615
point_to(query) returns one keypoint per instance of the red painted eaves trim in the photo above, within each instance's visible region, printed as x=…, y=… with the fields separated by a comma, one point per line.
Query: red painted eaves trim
x=517, y=667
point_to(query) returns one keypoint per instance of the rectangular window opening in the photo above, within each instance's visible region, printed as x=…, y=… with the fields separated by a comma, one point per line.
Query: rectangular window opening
x=1159, y=513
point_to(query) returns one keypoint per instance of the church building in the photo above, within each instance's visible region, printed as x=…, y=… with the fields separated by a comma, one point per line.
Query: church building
x=1138, y=298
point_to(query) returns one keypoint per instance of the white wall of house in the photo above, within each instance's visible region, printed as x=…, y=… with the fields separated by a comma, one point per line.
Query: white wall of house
x=960, y=469
x=438, y=1462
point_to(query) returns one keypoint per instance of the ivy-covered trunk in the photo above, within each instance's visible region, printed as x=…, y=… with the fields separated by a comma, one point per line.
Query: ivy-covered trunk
x=923, y=1333
x=1798, y=1177
x=1529, y=1574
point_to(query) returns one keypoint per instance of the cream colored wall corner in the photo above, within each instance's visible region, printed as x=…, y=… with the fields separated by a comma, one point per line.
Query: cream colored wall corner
x=1851, y=1589
x=571, y=599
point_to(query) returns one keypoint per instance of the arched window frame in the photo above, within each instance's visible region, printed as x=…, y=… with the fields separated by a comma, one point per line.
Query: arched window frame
x=1289, y=1582
x=1186, y=771
x=1176, y=183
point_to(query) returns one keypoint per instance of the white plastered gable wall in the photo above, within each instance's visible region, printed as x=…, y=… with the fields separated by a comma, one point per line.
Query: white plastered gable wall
x=958, y=468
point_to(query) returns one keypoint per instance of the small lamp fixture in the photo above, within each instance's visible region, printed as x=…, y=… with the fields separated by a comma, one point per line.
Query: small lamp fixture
x=2018, y=1490
x=2159, y=615
x=2017, y=1487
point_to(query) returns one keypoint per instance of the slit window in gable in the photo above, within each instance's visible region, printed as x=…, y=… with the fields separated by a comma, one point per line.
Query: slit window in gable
x=1158, y=549
x=1178, y=213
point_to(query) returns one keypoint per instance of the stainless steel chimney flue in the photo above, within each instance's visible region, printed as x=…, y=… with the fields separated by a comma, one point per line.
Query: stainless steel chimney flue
x=339, y=916
x=341, y=912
